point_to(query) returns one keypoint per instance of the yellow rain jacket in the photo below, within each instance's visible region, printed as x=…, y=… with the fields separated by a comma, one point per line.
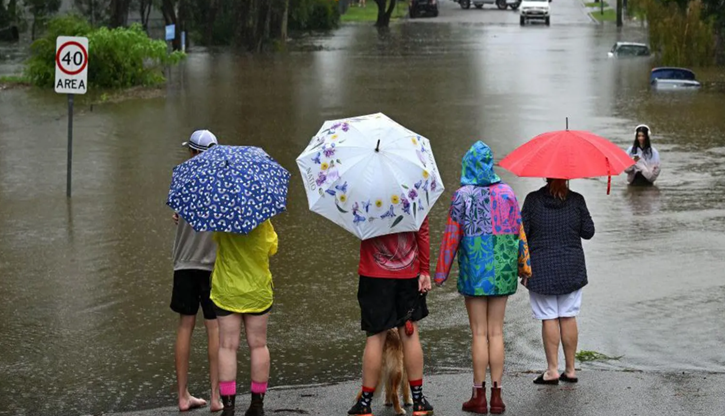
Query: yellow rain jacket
x=242, y=282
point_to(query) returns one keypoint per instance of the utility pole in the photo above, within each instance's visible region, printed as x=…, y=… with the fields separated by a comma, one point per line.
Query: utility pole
x=620, y=23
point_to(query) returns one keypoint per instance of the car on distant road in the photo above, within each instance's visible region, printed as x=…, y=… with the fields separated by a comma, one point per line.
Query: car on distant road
x=629, y=49
x=535, y=10
x=417, y=8
x=501, y=4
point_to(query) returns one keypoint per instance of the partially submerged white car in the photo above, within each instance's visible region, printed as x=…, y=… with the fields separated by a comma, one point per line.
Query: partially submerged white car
x=535, y=10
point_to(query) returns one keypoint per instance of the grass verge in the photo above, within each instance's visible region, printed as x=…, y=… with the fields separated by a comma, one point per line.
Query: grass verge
x=610, y=15
x=370, y=13
x=584, y=356
x=593, y=4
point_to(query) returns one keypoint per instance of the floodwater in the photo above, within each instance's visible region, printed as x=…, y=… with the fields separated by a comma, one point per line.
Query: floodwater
x=86, y=283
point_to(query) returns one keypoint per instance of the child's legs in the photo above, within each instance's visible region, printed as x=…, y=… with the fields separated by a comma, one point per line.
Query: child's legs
x=496, y=312
x=373, y=359
x=255, y=327
x=477, y=308
x=229, y=331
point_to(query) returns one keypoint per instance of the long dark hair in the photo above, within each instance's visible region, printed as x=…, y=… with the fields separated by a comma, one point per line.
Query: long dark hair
x=647, y=150
x=558, y=188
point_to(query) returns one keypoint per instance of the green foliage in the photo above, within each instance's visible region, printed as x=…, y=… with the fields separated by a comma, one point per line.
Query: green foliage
x=584, y=356
x=682, y=35
x=314, y=15
x=118, y=58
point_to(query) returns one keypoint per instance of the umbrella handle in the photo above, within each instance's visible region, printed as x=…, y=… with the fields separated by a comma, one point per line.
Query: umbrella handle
x=609, y=177
x=377, y=148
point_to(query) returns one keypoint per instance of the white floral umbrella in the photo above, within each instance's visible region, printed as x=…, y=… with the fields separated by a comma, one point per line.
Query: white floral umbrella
x=370, y=175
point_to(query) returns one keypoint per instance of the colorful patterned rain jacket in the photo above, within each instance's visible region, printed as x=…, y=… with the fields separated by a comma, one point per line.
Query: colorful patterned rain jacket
x=484, y=227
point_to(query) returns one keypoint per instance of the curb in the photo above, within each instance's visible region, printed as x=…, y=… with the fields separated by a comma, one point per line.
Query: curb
x=588, y=12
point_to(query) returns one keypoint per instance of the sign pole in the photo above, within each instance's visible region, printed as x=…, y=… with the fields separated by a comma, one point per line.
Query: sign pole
x=70, y=146
x=71, y=77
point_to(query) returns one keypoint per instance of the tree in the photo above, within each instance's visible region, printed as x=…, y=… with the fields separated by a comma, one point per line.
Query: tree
x=384, y=13
x=119, y=13
x=41, y=10
x=93, y=10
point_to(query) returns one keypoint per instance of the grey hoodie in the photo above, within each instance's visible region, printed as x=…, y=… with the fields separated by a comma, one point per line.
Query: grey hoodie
x=193, y=250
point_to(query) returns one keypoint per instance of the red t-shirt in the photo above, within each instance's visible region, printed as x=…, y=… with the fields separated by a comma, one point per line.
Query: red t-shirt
x=396, y=256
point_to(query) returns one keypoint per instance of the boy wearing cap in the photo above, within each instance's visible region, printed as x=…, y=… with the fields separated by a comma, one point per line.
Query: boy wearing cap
x=194, y=255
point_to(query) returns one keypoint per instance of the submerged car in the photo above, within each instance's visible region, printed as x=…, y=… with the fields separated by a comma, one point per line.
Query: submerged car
x=535, y=10
x=669, y=78
x=423, y=7
x=629, y=49
x=501, y=4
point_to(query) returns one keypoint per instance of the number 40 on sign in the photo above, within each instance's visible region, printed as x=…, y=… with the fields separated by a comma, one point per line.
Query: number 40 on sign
x=71, y=65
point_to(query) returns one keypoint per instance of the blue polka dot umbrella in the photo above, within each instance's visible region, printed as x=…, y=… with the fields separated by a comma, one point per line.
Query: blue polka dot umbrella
x=229, y=189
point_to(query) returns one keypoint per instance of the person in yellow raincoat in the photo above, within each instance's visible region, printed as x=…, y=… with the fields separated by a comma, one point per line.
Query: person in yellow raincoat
x=241, y=289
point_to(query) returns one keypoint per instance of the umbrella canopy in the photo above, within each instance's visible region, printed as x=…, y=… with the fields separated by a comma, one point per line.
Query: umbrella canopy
x=370, y=175
x=567, y=154
x=229, y=189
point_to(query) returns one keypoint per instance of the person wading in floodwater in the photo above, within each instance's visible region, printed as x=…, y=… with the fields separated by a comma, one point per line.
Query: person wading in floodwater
x=646, y=168
x=194, y=255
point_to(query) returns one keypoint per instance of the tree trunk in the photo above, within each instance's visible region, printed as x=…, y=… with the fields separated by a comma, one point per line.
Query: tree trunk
x=119, y=12
x=285, y=18
x=383, y=13
x=620, y=22
x=211, y=17
x=169, y=12
x=145, y=7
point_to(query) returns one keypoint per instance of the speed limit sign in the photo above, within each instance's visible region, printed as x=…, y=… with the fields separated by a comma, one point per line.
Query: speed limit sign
x=71, y=65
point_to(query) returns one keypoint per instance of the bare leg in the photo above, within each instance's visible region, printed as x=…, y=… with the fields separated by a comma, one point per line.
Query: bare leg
x=255, y=327
x=229, y=330
x=569, y=339
x=373, y=359
x=477, y=317
x=413, y=353
x=496, y=311
x=212, y=334
x=550, y=334
x=183, y=350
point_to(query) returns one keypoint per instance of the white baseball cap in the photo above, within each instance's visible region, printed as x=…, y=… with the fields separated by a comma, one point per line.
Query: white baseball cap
x=201, y=140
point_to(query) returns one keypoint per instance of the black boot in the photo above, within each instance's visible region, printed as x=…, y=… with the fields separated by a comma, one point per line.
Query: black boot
x=256, y=407
x=228, y=402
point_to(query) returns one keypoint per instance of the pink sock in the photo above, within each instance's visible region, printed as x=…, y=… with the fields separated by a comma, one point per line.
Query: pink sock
x=228, y=388
x=259, y=388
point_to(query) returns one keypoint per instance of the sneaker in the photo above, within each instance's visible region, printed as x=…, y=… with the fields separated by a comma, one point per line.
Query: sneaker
x=422, y=407
x=256, y=407
x=360, y=410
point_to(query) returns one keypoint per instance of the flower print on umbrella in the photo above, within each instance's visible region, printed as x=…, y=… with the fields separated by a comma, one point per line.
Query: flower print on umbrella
x=329, y=151
x=406, y=204
x=342, y=188
x=378, y=203
x=366, y=206
x=412, y=194
x=321, y=179
x=316, y=159
x=390, y=213
x=324, y=166
x=333, y=174
x=433, y=184
x=356, y=214
x=395, y=199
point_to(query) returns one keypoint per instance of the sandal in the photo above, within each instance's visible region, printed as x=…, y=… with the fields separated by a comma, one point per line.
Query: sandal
x=568, y=379
x=540, y=380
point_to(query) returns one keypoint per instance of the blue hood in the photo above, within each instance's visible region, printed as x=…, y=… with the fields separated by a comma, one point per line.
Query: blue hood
x=477, y=166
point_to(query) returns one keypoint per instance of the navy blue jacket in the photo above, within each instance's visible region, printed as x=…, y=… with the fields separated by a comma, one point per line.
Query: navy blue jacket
x=554, y=229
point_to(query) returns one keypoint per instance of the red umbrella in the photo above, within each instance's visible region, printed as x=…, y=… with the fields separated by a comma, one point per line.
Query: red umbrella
x=568, y=154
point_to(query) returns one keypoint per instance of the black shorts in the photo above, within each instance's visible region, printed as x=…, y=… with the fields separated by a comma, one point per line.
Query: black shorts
x=388, y=303
x=223, y=312
x=192, y=288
